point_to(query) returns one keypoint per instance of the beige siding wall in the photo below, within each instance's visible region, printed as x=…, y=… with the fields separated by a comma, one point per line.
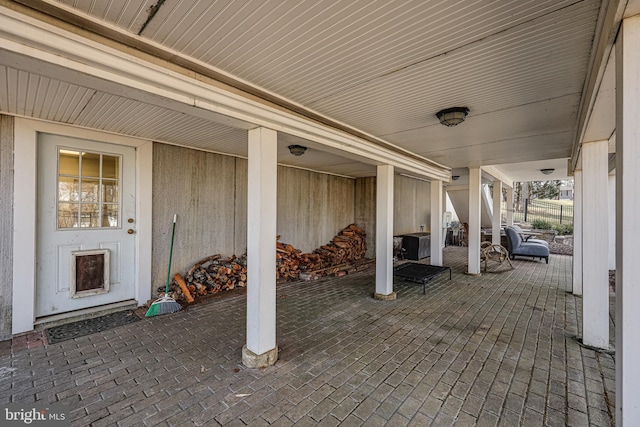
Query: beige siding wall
x=6, y=224
x=411, y=205
x=312, y=207
x=209, y=193
x=240, y=213
x=200, y=188
x=366, y=211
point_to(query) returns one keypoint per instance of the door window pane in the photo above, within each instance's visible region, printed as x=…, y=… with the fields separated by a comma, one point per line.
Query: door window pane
x=67, y=215
x=88, y=189
x=68, y=189
x=110, y=167
x=69, y=162
x=91, y=164
x=89, y=215
x=109, y=215
x=110, y=191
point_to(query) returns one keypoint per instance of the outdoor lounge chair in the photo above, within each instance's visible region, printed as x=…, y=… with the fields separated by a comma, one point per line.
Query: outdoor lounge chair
x=516, y=246
x=527, y=238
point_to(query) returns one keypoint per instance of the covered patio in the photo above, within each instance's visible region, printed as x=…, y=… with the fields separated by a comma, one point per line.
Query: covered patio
x=498, y=349
x=252, y=121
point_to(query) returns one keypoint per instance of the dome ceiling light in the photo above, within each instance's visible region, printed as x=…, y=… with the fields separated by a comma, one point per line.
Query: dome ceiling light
x=297, y=150
x=452, y=116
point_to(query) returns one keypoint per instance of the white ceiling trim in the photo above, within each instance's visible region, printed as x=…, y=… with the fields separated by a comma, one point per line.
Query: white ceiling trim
x=498, y=175
x=611, y=14
x=33, y=38
x=457, y=187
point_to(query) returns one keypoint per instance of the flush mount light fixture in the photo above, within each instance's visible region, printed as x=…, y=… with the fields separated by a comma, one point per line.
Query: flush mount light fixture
x=297, y=150
x=452, y=116
x=547, y=171
x=455, y=177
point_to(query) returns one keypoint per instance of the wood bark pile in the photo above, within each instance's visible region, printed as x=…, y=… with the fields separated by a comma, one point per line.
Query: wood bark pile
x=215, y=274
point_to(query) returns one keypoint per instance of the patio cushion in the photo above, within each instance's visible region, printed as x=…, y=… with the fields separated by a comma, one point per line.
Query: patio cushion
x=516, y=246
x=529, y=240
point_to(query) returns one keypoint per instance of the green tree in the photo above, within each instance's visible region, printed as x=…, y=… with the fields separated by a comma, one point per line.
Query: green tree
x=545, y=189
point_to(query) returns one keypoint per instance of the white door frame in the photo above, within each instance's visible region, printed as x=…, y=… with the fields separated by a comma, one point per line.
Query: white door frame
x=25, y=212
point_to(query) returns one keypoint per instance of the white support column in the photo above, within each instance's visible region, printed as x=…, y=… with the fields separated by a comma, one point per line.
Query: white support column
x=595, y=279
x=577, y=232
x=436, y=223
x=627, y=224
x=612, y=221
x=261, y=349
x=384, y=233
x=509, y=220
x=497, y=212
x=475, y=189
x=445, y=232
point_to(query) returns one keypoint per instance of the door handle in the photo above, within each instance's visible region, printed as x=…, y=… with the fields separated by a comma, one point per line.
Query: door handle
x=131, y=231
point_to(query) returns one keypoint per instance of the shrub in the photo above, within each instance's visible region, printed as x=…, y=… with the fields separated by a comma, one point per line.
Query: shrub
x=541, y=224
x=564, y=229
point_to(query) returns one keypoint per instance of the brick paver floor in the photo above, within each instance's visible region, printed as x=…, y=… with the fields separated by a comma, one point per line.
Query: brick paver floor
x=495, y=350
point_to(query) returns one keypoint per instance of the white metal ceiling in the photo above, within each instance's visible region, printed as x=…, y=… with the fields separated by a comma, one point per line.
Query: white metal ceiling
x=383, y=67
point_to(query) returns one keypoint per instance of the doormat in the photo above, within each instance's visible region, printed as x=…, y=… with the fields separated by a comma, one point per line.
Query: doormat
x=90, y=326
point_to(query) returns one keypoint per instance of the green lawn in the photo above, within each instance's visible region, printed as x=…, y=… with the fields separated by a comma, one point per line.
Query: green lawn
x=558, y=202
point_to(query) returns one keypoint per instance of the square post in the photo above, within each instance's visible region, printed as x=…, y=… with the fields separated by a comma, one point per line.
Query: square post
x=261, y=349
x=627, y=224
x=595, y=272
x=577, y=232
x=436, y=223
x=509, y=220
x=384, y=233
x=475, y=189
x=497, y=212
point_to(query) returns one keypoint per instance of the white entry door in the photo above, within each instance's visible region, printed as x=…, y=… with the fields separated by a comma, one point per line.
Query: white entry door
x=86, y=224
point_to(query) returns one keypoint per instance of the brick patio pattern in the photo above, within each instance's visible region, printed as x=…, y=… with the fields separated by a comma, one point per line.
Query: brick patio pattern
x=495, y=350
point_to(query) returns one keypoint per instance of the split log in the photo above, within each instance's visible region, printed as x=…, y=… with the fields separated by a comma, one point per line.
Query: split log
x=184, y=288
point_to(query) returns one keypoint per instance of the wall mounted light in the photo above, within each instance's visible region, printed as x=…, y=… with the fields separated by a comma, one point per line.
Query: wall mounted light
x=547, y=171
x=455, y=177
x=297, y=150
x=452, y=116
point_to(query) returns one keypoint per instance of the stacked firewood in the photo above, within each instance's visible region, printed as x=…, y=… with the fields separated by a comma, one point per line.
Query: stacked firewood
x=210, y=276
x=347, y=247
x=289, y=260
x=215, y=274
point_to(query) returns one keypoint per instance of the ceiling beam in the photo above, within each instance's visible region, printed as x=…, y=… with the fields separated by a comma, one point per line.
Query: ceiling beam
x=497, y=175
x=611, y=13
